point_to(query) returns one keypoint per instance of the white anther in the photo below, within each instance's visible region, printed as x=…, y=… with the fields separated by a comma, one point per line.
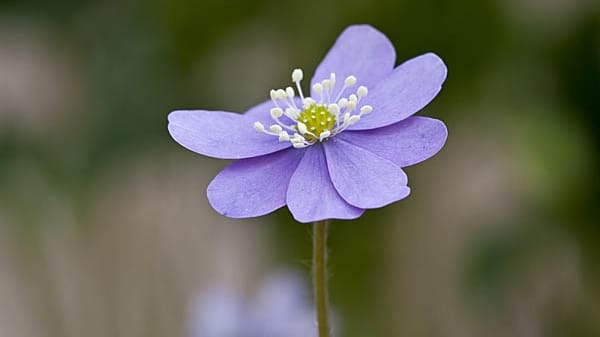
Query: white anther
x=324, y=135
x=299, y=145
x=332, y=79
x=334, y=109
x=290, y=92
x=281, y=94
x=366, y=109
x=346, y=117
x=284, y=136
x=302, y=128
x=276, y=113
x=350, y=81
x=326, y=84
x=343, y=102
x=297, y=75
x=353, y=119
x=353, y=98
x=273, y=94
x=318, y=88
x=296, y=138
x=276, y=128
x=258, y=126
x=308, y=102
x=362, y=91
x=351, y=105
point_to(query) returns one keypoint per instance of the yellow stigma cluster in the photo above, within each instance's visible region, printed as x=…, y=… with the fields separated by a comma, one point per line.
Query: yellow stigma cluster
x=317, y=119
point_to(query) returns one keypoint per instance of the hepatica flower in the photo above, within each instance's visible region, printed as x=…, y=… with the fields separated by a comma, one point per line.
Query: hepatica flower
x=330, y=153
x=282, y=308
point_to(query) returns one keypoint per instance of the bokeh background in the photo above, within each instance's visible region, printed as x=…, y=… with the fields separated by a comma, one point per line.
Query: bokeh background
x=105, y=229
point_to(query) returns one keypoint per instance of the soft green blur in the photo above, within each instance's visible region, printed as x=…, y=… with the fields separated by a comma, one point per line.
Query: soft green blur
x=105, y=229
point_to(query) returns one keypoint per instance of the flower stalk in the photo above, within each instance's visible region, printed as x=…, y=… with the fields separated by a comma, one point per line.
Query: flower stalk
x=320, y=276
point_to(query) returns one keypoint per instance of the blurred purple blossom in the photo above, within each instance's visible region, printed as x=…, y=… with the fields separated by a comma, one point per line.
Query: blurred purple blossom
x=281, y=308
x=335, y=153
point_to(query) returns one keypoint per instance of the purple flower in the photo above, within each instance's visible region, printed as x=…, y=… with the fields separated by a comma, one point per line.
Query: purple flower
x=331, y=155
x=282, y=308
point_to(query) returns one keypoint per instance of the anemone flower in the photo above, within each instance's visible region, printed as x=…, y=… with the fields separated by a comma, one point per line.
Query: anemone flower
x=330, y=155
x=282, y=308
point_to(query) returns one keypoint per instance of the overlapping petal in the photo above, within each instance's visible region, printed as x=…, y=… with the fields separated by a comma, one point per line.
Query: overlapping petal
x=311, y=195
x=255, y=186
x=362, y=178
x=221, y=134
x=362, y=51
x=405, y=143
x=410, y=87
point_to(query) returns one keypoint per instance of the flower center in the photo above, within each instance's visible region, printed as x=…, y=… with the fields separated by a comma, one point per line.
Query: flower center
x=316, y=120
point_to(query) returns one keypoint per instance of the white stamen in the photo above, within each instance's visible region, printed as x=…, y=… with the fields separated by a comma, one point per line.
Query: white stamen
x=259, y=127
x=324, y=135
x=290, y=92
x=328, y=117
x=334, y=109
x=276, y=113
x=362, y=91
x=296, y=138
x=281, y=94
x=297, y=75
x=318, y=88
x=351, y=106
x=350, y=81
x=327, y=89
x=276, y=128
x=302, y=128
x=284, y=136
x=353, y=119
x=308, y=102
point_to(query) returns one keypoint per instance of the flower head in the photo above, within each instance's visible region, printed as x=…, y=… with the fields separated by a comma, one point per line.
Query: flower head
x=332, y=154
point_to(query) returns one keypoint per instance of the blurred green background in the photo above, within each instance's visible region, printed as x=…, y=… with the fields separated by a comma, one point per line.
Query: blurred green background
x=105, y=229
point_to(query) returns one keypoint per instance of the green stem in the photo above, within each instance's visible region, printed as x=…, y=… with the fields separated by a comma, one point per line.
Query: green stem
x=320, y=276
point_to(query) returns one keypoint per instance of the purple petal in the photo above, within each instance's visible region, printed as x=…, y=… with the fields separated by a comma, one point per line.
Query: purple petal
x=362, y=51
x=405, y=143
x=362, y=178
x=407, y=90
x=220, y=134
x=255, y=186
x=311, y=195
